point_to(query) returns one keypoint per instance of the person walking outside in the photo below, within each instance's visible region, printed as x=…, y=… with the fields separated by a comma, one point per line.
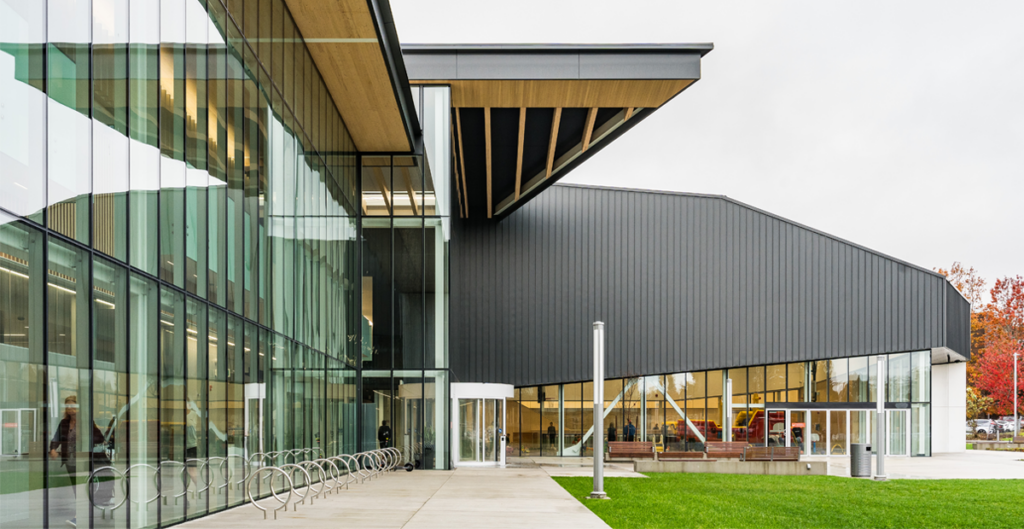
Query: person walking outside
x=65, y=445
x=384, y=435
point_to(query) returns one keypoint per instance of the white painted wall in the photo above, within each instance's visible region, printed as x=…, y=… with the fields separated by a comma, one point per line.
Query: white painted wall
x=949, y=407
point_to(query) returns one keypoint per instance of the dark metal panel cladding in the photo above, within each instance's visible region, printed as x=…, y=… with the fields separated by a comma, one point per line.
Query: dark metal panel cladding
x=683, y=282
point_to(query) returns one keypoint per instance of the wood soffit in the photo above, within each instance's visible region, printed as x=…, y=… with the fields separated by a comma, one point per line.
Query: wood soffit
x=603, y=93
x=342, y=39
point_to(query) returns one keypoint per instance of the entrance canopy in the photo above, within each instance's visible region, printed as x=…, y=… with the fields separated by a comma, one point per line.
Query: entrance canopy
x=525, y=115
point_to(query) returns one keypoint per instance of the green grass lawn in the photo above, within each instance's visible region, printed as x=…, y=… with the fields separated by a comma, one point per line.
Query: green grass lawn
x=737, y=501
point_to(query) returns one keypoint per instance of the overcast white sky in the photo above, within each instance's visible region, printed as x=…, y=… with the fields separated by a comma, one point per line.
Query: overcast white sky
x=896, y=125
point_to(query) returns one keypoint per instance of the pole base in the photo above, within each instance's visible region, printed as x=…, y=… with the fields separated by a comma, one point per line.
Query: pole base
x=881, y=478
x=598, y=496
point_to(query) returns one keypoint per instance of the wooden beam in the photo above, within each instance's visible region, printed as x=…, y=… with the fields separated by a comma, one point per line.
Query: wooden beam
x=487, y=141
x=365, y=210
x=554, y=139
x=455, y=168
x=462, y=160
x=519, y=154
x=591, y=116
x=410, y=190
x=378, y=175
x=629, y=113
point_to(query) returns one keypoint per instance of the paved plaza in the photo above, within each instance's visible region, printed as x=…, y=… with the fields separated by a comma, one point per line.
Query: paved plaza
x=523, y=495
x=513, y=497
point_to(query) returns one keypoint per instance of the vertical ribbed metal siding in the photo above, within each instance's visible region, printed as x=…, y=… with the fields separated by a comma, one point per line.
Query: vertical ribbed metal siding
x=683, y=282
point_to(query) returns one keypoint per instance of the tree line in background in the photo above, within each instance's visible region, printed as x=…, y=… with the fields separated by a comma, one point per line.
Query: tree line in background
x=997, y=331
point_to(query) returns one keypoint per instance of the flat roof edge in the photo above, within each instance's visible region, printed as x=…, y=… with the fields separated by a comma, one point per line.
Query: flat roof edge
x=702, y=47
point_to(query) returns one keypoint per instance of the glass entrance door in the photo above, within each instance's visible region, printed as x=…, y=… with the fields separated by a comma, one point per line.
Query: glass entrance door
x=898, y=432
x=479, y=431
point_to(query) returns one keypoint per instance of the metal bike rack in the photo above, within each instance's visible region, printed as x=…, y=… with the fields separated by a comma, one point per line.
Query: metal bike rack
x=284, y=502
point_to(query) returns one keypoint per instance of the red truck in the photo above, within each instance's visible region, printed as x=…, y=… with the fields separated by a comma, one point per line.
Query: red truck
x=750, y=426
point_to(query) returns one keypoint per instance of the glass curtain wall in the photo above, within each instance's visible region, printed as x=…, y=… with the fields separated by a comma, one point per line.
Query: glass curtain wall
x=683, y=411
x=404, y=235
x=178, y=254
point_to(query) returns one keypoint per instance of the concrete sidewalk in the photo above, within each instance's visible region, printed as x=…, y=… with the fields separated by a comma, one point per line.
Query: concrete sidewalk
x=972, y=464
x=467, y=497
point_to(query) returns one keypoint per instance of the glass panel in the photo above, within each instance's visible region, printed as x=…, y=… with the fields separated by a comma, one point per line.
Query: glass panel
x=820, y=382
x=110, y=131
x=775, y=434
x=376, y=293
x=435, y=262
x=776, y=383
x=513, y=414
x=26, y=429
x=838, y=381
x=530, y=421
x=572, y=418
x=798, y=430
x=490, y=429
x=897, y=432
x=740, y=417
x=837, y=433
x=377, y=191
x=172, y=405
x=796, y=377
x=144, y=155
x=818, y=433
x=654, y=412
x=898, y=389
x=920, y=430
x=696, y=411
x=110, y=388
x=435, y=420
x=69, y=138
x=716, y=412
x=470, y=430
x=860, y=426
x=140, y=433
x=197, y=407
x=549, y=420
x=922, y=376
x=74, y=433
x=23, y=121
x=410, y=300
x=859, y=391
x=437, y=147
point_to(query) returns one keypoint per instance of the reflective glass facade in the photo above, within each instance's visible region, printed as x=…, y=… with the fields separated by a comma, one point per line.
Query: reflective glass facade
x=180, y=256
x=819, y=406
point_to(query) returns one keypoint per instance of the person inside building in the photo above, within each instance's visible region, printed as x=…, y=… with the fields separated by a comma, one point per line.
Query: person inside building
x=612, y=433
x=630, y=431
x=64, y=445
x=384, y=435
x=552, y=433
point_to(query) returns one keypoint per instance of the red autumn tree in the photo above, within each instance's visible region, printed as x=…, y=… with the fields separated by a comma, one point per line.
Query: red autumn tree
x=1003, y=335
x=995, y=376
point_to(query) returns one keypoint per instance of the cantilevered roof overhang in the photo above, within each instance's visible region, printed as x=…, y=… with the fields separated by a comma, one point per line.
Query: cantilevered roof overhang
x=526, y=115
x=355, y=46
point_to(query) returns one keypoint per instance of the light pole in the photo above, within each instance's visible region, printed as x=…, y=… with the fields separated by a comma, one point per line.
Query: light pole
x=598, y=492
x=880, y=421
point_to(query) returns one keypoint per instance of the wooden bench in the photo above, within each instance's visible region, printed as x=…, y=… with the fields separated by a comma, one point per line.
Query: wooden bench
x=771, y=453
x=682, y=456
x=629, y=450
x=732, y=449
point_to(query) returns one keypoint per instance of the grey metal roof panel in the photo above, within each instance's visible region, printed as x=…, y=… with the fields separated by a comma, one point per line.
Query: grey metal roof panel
x=547, y=61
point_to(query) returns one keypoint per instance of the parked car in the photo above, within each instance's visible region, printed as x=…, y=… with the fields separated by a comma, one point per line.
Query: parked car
x=985, y=427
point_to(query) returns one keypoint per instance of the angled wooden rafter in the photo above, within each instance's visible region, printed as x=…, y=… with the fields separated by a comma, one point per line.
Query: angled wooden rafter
x=555, y=120
x=487, y=142
x=629, y=113
x=587, y=132
x=378, y=176
x=410, y=191
x=455, y=168
x=519, y=153
x=462, y=160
